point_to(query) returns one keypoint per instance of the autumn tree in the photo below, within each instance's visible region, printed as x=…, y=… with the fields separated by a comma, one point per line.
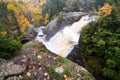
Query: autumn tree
x=18, y=15
x=32, y=13
x=8, y=21
x=18, y=9
x=46, y=19
x=105, y=10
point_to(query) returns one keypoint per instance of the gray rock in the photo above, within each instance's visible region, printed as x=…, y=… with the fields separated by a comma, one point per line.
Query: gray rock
x=28, y=66
x=59, y=69
x=62, y=20
x=29, y=35
x=9, y=68
x=15, y=78
x=1, y=78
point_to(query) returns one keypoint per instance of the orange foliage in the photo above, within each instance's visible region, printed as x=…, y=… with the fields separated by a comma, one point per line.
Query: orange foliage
x=105, y=10
x=23, y=23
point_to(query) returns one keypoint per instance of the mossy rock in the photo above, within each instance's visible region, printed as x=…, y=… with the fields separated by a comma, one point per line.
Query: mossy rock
x=60, y=68
x=40, y=64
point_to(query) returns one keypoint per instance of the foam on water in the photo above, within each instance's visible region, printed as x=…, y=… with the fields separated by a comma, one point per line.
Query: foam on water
x=64, y=40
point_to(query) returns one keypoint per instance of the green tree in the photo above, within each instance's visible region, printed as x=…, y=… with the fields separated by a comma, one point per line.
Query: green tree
x=53, y=7
x=101, y=43
x=8, y=21
x=8, y=47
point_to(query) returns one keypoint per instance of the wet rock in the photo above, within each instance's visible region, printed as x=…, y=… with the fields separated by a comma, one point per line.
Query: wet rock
x=74, y=56
x=25, y=39
x=29, y=35
x=62, y=20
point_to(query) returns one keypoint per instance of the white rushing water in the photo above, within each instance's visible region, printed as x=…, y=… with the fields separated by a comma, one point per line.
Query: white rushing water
x=64, y=40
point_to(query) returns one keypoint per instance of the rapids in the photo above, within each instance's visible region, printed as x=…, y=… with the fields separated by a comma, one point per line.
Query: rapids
x=63, y=42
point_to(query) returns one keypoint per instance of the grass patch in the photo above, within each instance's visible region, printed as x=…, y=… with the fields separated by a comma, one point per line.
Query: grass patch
x=87, y=76
x=60, y=16
x=33, y=44
x=53, y=74
x=67, y=65
x=42, y=50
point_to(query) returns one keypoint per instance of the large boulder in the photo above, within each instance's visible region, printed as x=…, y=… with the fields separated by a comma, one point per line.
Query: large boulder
x=29, y=35
x=37, y=63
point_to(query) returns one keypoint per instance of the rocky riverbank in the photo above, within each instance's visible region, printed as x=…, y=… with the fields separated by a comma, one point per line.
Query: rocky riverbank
x=36, y=63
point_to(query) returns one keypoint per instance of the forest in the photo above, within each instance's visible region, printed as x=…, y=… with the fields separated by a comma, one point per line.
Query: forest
x=100, y=39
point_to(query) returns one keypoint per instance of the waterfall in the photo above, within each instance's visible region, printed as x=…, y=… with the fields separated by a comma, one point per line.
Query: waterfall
x=64, y=40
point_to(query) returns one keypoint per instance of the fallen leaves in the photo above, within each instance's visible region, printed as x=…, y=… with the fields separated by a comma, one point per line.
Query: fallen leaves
x=65, y=76
x=28, y=74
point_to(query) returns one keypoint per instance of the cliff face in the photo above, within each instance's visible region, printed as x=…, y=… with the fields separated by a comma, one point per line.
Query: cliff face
x=61, y=21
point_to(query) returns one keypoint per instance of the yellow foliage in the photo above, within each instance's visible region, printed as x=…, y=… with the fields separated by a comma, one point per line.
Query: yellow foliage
x=1, y=0
x=34, y=13
x=105, y=10
x=46, y=19
x=4, y=33
x=19, y=10
x=37, y=19
x=29, y=6
x=10, y=6
x=28, y=12
x=23, y=23
x=42, y=2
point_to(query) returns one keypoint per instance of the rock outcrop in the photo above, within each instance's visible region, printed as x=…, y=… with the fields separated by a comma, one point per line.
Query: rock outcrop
x=62, y=20
x=29, y=35
x=58, y=23
x=34, y=62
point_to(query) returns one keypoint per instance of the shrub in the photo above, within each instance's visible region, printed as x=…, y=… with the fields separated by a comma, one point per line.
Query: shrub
x=101, y=44
x=8, y=47
x=101, y=41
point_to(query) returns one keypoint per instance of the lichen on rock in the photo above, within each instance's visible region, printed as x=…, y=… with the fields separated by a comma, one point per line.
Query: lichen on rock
x=34, y=64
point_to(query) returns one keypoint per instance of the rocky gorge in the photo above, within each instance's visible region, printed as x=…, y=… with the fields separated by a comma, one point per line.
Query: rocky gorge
x=35, y=62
